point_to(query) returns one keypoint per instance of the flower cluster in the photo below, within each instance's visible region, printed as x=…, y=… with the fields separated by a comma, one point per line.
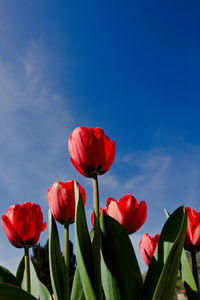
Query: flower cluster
x=107, y=249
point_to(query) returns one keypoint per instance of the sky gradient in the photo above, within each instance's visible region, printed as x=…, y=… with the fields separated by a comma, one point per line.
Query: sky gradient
x=131, y=68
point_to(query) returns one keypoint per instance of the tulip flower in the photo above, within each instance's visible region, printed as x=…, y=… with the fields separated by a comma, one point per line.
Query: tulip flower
x=147, y=247
x=92, y=152
x=192, y=240
x=23, y=224
x=61, y=200
x=127, y=212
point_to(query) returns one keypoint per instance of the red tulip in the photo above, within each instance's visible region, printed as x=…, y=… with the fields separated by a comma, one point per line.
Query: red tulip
x=192, y=240
x=92, y=152
x=127, y=212
x=147, y=246
x=23, y=224
x=62, y=201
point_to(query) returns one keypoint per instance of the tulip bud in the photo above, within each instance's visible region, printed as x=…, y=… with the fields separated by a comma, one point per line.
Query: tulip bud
x=147, y=247
x=61, y=200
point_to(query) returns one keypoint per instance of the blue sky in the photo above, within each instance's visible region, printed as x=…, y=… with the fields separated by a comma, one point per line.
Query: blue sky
x=131, y=68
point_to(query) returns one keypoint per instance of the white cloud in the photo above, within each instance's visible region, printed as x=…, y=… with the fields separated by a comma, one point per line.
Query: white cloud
x=34, y=120
x=35, y=123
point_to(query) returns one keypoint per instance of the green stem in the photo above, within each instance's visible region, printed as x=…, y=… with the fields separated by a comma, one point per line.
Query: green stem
x=194, y=269
x=66, y=257
x=27, y=270
x=96, y=240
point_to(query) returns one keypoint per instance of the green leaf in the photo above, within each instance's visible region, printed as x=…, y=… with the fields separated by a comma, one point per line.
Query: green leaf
x=56, y=262
x=7, y=277
x=161, y=277
x=187, y=276
x=34, y=281
x=44, y=292
x=11, y=292
x=38, y=289
x=20, y=271
x=121, y=269
x=83, y=247
x=109, y=283
x=188, y=279
x=77, y=289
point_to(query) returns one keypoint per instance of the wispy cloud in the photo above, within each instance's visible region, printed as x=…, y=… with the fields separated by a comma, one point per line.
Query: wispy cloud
x=159, y=175
x=164, y=178
x=35, y=123
x=34, y=120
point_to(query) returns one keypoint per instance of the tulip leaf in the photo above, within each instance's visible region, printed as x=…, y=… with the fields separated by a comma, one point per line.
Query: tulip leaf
x=11, y=292
x=188, y=279
x=123, y=279
x=77, y=288
x=20, y=271
x=7, y=277
x=161, y=277
x=56, y=262
x=187, y=276
x=83, y=247
x=38, y=289
x=109, y=283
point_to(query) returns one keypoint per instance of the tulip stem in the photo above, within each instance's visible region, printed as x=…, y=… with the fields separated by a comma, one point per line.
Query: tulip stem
x=27, y=270
x=66, y=257
x=96, y=240
x=194, y=269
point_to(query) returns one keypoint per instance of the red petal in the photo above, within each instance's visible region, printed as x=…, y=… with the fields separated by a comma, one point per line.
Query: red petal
x=193, y=229
x=147, y=247
x=114, y=210
x=138, y=218
x=10, y=232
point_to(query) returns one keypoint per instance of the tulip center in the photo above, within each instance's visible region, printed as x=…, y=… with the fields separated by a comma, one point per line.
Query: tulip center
x=90, y=170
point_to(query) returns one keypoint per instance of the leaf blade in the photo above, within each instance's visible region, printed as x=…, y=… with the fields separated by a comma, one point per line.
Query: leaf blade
x=162, y=274
x=126, y=274
x=56, y=263
x=83, y=246
x=10, y=292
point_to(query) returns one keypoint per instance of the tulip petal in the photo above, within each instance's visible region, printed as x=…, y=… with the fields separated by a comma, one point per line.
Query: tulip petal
x=193, y=229
x=138, y=218
x=110, y=152
x=128, y=202
x=147, y=247
x=114, y=210
x=10, y=232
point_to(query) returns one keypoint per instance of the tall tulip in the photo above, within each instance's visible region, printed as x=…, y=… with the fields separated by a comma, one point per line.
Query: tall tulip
x=92, y=152
x=147, y=247
x=192, y=240
x=62, y=201
x=23, y=225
